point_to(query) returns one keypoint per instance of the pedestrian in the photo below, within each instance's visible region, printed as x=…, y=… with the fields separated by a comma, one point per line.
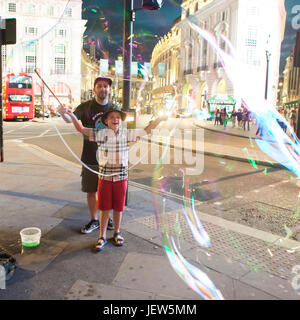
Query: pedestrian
x=246, y=119
x=113, y=166
x=225, y=118
x=259, y=127
x=217, y=116
x=285, y=114
x=233, y=117
x=221, y=117
x=89, y=113
x=293, y=119
x=239, y=118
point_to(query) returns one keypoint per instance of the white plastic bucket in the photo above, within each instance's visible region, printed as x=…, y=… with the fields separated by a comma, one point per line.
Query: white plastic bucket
x=30, y=237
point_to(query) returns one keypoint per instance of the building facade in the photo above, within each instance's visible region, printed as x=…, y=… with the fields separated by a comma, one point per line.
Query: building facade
x=49, y=39
x=291, y=84
x=253, y=28
x=165, y=69
x=89, y=72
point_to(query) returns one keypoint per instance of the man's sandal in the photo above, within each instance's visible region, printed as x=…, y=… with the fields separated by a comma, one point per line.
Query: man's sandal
x=118, y=239
x=100, y=244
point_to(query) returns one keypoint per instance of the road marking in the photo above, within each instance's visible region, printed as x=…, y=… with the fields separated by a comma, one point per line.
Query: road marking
x=49, y=135
x=42, y=134
x=9, y=131
x=26, y=125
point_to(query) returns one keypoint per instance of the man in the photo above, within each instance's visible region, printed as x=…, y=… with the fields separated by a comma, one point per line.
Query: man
x=90, y=113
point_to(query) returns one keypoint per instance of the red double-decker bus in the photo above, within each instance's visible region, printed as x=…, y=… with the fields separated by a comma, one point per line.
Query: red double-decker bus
x=18, y=98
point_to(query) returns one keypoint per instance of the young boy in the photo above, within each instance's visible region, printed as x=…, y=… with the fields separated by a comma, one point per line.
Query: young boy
x=113, y=166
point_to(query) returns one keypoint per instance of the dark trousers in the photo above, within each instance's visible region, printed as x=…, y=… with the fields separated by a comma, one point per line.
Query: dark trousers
x=245, y=124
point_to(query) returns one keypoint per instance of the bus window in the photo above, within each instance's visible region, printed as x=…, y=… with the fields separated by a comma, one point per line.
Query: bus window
x=19, y=97
x=20, y=82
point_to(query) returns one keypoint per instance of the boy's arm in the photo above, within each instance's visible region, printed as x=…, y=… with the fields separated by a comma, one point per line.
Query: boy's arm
x=153, y=124
x=79, y=127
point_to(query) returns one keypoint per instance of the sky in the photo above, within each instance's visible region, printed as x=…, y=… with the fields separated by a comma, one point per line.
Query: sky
x=104, y=28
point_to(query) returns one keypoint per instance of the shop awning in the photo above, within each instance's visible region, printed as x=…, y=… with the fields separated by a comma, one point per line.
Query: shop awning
x=221, y=99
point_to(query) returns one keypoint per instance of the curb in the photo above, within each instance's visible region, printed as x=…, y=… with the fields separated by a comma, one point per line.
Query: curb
x=222, y=132
x=213, y=154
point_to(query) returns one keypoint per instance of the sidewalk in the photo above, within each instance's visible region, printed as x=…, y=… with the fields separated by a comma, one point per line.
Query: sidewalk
x=229, y=130
x=246, y=150
x=43, y=190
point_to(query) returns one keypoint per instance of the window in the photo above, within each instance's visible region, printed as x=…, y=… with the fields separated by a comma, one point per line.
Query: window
x=224, y=15
x=30, y=64
x=4, y=58
x=31, y=9
x=60, y=50
x=31, y=49
x=60, y=32
x=51, y=11
x=68, y=12
x=251, y=44
x=253, y=11
x=60, y=65
x=251, y=40
x=190, y=57
x=204, y=53
x=31, y=31
x=12, y=7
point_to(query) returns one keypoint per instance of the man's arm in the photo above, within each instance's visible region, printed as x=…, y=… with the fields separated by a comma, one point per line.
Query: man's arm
x=79, y=127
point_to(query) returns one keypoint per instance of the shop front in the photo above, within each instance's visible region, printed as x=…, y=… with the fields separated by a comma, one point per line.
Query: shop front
x=221, y=101
x=291, y=105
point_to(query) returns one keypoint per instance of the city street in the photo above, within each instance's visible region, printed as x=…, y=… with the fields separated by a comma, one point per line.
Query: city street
x=212, y=203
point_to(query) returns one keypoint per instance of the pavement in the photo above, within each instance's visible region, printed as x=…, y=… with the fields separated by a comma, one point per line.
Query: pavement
x=250, y=152
x=40, y=189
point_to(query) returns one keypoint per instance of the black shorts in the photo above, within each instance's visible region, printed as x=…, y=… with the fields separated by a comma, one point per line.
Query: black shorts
x=89, y=180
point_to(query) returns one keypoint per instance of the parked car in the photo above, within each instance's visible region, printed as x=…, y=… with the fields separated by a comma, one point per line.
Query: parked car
x=39, y=112
x=183, y=114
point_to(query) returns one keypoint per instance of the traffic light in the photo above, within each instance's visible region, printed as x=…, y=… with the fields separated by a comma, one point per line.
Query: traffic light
x=9, y=33
x=152, y=4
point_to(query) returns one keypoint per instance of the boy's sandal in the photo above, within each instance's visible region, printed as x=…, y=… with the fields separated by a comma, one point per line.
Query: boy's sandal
x=100, y=244
x=119, y=240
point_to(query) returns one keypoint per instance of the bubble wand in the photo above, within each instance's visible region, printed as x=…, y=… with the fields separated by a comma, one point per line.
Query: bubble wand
x=44, y=83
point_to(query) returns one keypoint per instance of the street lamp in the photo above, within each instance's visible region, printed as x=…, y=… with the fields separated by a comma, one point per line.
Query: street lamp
x=268, y=55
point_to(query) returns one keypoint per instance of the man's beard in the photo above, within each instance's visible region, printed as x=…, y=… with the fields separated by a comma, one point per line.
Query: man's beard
x=102, y=96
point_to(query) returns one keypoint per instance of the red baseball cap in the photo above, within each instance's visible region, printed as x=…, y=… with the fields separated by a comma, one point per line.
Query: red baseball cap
x=108, y=80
